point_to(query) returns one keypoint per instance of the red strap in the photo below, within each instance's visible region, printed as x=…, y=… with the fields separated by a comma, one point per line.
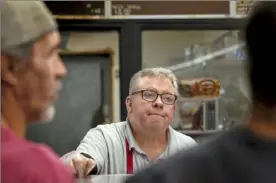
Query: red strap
x=129, y=158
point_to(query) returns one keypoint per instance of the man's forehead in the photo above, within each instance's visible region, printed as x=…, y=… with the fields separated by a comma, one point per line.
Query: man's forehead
x=154, y=81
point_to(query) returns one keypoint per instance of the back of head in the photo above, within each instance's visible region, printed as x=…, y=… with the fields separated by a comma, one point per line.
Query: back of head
x=260, y=36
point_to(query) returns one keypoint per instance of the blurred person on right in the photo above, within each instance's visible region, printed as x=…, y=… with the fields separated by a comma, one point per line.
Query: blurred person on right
x=245, y=154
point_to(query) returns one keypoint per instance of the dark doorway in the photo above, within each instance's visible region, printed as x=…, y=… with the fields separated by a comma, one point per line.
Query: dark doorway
x=85, y=101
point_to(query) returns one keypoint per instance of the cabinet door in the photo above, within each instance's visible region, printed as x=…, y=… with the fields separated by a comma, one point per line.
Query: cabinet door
x=80, y=100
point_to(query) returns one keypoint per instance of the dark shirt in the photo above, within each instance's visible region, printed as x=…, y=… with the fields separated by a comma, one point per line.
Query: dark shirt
x=237, y=156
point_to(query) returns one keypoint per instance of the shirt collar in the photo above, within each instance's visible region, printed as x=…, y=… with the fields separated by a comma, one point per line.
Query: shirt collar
x=133, y=145
x=130, y=138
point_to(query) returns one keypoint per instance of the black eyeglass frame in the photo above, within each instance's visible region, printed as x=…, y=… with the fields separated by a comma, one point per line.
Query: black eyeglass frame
x=157, y=95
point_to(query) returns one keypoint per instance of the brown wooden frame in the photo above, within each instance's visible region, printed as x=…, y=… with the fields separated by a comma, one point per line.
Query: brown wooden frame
x=105, y=51
x=79, y=17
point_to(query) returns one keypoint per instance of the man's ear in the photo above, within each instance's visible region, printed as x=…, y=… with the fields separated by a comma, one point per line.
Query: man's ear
x=128, y=104
x=7, y=71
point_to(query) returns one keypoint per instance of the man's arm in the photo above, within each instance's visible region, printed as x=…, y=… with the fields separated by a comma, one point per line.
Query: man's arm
x=94, y=171
x=92, y=146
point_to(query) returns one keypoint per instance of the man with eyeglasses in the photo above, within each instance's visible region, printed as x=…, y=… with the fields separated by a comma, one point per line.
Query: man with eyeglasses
x=144, y=138
x=246, y=153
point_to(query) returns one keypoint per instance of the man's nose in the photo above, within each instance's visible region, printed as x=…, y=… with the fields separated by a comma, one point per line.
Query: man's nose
x=61, y=70
x=158, y=102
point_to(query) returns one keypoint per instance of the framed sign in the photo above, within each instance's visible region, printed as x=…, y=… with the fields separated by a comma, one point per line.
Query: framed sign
x=169, y=7
x=76, y=9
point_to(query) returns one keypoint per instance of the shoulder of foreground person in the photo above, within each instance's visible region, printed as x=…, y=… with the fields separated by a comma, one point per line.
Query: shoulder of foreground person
x=193, y=165
x=34, y=163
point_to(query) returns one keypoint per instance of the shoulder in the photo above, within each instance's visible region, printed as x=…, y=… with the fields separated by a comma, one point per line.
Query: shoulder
x=51, y=161
x=109, y=129
x=34, y=163
x=112, y=126
x=106, y=132
x=182, y=138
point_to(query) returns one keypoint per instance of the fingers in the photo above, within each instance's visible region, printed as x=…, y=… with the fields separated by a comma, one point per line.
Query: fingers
x=72, y=166
x=67, y=160
x=79, y=166
x=82, y=166
x=90, y=164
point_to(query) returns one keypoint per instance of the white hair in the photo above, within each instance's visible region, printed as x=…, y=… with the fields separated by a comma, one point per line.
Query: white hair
x=153, y=72
x=48, y=114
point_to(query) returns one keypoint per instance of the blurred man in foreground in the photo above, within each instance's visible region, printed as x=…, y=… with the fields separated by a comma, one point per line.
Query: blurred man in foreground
x=145, y=138
x=30, y=73
x=246, y=154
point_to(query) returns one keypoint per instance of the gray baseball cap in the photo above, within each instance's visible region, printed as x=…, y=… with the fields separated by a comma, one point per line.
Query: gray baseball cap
x=23, y=22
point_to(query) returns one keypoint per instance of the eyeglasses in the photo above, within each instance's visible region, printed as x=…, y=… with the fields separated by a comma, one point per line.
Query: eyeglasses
x=151, y=96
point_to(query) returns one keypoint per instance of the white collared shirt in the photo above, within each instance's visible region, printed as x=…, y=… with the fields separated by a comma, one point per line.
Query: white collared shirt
x=106, y=145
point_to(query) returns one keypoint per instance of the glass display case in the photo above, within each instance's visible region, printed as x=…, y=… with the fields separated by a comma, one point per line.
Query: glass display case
x=207, y=56
x=197, y=104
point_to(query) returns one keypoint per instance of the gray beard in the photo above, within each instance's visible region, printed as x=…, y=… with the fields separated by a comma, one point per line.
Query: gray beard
x=48, y=115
